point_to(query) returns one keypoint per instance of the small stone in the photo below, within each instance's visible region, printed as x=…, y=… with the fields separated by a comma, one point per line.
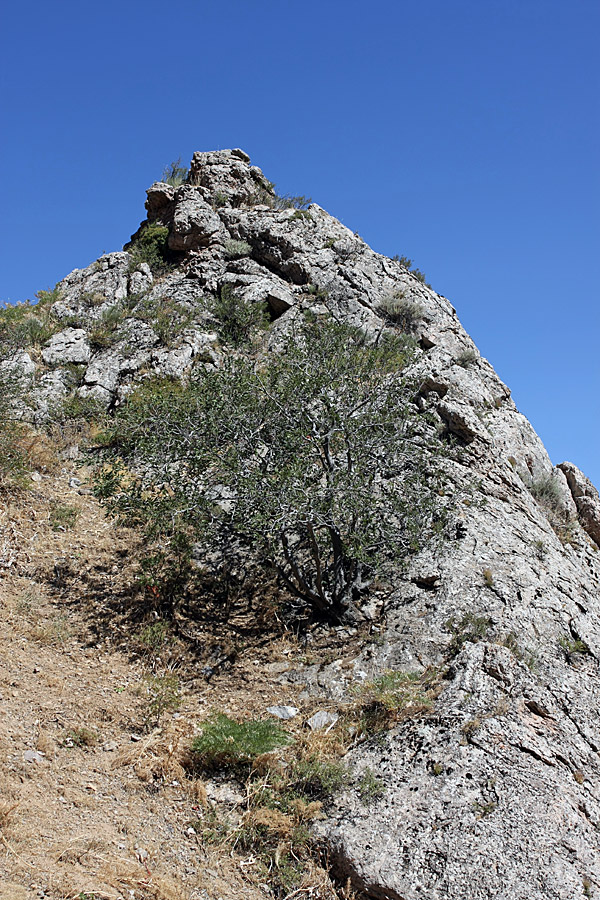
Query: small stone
x=283, y=712
x=33, y=756
x=322, y=719
x=109, y=746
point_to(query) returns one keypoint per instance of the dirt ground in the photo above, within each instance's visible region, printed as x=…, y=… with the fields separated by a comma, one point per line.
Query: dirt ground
x=95, y=799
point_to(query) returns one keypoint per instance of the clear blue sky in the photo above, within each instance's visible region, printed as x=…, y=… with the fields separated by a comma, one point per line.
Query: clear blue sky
x=462, y=133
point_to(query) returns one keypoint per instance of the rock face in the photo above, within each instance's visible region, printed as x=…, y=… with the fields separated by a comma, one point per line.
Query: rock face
x=495, y=791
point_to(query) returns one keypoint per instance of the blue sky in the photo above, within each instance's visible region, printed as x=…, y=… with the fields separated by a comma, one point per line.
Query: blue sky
x=463, y=134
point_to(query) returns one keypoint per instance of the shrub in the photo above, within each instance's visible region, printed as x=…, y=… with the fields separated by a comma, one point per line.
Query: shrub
x=151, y=246
x=335, y=473
x=229, y=744
x=408, y=264
x=163, y=693
x=237, y=249
x=238, y=319
x=26, y=324
x=471, y=628
x=317, y=778
x=155, y=637
x=290, y=201
x=546, y=489
x=166, y=316
x=403, y=313
x=175, y=174
x=13, y=453
x=105, y=333
x=467, y=358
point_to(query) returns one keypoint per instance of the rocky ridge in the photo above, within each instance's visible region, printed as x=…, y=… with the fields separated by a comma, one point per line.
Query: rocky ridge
x=496, y=793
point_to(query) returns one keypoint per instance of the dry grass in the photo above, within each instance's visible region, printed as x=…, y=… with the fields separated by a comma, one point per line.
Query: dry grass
x=7, y=814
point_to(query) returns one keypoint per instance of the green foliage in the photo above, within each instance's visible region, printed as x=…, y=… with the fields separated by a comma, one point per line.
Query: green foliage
x=237, y=249
x=546, y=489
x=239, y=319
x=370, y=787
x=316, y=458
x=175, y=174
x=26, y=325
x=13, y=456
x=220, y=199
x=471, y=628
x=573, y=646
x=166, y=316
x=47, y=298
x=511, y=643
x=164, y=574
x=403, y=313
x=318, y=293
x=225, y=743
x=81, y=737
x=291, y=201
x=78, y=409
x=393, y=691
x=317, y=778
x=408, y=264
x=155, y=637
x=467, y=358
x=151, y=246
x=163, y=694
x=105, y=332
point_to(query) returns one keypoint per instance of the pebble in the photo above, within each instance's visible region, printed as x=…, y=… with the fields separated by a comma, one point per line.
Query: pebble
x=322, y=719
x=33, y=756
x=283, y=712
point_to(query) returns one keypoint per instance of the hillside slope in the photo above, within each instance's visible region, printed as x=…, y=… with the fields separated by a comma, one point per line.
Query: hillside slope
x=492, y=790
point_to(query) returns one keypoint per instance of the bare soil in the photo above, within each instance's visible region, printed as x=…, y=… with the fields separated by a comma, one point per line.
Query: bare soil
x=95, y=797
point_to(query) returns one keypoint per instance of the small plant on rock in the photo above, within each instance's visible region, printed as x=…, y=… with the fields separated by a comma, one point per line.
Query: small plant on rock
x=471, y=628
x=572, y=646
x=390, y=697
x=239, y=319
x=175, y=174
x=237, y=249
x=546, y=489
x=408, y=264
x=150, y=246
x=370, y=787
x=401, y=312
x=467, y=358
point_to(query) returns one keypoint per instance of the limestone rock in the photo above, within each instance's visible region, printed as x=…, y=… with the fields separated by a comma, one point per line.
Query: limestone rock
x=194, y=222
x=586, y=499
x=490, y=797
x=68, y=346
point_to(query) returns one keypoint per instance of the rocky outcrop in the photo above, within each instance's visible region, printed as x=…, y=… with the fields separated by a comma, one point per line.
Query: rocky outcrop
x=493, y=792
x=586, y=499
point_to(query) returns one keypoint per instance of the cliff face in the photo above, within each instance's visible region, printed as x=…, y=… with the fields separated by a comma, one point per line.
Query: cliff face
x=495, y=793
